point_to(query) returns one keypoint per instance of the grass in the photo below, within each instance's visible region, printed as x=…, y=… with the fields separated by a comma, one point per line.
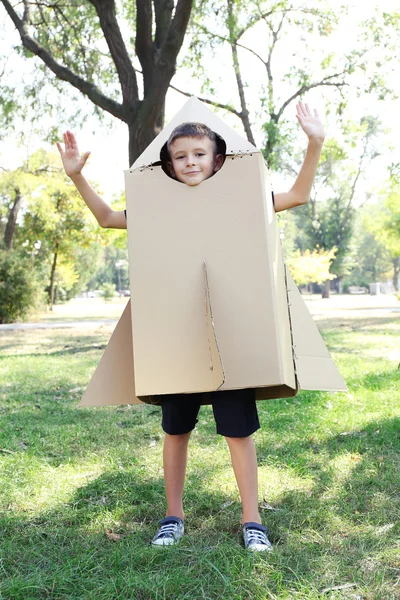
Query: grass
x=82, y=489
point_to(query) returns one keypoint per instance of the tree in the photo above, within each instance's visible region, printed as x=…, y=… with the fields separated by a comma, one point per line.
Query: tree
x=55, y=219
x=328, y=223
x=383, y=222
x=230, y=24
x=311, y=267
x=69, y=38
x=19, y=286
x=14, y=186
x=370, y=260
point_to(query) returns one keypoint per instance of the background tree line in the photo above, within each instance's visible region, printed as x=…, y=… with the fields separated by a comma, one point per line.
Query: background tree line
x=118, y=59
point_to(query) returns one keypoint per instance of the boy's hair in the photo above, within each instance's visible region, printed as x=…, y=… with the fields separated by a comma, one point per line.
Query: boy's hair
x=192, y=130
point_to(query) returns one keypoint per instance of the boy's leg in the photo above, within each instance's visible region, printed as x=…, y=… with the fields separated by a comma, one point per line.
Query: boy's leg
x=179, y=419
x=175, y=461
x=236, y=416
x=244, y=462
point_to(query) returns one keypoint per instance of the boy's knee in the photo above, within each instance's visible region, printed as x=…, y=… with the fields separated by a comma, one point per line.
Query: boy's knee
x=177, y=438
x=232, y=440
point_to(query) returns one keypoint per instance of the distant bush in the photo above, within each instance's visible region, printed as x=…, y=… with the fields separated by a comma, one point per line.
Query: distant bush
x=20, y=291
x=108, y=290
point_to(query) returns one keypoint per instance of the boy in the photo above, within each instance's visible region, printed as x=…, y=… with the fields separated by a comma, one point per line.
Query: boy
x=193, y=156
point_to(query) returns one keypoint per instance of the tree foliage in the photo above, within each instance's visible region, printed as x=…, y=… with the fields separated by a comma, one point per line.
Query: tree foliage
x=84, y=44
x=20, y=290
x=289, y=29
x=327, y=221
x=383, y=222
x=53, y=219
x=311, y=267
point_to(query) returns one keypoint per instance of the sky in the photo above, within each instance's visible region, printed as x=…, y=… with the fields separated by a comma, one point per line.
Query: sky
x=108, y=142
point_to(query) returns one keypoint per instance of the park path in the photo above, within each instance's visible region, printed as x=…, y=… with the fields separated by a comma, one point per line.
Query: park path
x=82, y=324
x=337, y=307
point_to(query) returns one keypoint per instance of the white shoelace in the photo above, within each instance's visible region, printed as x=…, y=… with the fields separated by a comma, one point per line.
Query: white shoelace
x=257, y=536
x=167, y=530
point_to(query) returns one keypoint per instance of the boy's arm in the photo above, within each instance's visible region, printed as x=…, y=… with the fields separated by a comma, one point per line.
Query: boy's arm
x=300, y=192
x=73, y=164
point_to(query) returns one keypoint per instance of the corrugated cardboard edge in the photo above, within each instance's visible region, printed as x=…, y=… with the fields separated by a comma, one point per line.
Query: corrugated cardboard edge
x=216, y=364
x=314, y=366
x=113, y=380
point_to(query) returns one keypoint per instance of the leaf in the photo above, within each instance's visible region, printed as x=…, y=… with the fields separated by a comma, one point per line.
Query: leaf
x=267, y=506
x=114, y=537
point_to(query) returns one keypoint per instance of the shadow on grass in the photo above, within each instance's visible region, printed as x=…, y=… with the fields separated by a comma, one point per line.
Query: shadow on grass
x=366, y=491
x=88, y=346
x=97, y=545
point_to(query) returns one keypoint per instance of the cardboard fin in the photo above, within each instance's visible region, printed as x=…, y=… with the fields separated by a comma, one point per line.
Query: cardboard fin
x=315, y=369
x=113, y=381
x=216, y=365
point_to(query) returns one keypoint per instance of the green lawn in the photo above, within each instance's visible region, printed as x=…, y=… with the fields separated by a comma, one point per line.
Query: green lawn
x=82, y=489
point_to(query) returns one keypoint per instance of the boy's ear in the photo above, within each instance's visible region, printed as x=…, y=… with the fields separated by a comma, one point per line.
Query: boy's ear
x=219, y=161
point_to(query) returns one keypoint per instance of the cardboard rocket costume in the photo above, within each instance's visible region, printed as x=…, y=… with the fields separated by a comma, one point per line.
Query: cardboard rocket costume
x=213, y=306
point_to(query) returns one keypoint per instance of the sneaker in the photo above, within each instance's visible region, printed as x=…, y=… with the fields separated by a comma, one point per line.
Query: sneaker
x=255, y=538
x=170, y=532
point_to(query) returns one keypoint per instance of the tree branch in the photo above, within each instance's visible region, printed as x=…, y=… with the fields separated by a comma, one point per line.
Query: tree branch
x=275, y=35
x=176, y=32
x=163, y=11
x=126, y=74
x=166, y=61
x=306, y=88
x=238, y=75
x=254, y=21
x=353, y=187
x=63, y=73
x=144, y=41
x=227, y=107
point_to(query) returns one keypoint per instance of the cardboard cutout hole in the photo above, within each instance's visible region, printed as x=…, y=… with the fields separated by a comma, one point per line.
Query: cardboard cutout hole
x=164, y=156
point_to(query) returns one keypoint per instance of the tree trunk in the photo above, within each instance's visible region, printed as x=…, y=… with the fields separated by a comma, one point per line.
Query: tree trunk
x=157, y=42
x=327, y=288
x=396, y=272
x=339, y=284
x=52, y=278
x=12, y=220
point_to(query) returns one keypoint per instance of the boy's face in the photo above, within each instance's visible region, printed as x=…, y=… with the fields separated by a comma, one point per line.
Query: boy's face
x=193, y=160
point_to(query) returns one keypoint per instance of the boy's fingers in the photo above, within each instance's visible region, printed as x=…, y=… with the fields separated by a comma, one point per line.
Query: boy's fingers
x=72, y=140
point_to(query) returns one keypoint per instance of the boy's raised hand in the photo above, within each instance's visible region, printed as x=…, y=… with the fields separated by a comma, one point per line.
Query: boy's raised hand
x=311, y=124
x=72, y=161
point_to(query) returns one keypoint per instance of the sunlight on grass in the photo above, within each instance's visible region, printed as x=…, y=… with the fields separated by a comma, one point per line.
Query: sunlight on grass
x=81, y=490
x=35, y=487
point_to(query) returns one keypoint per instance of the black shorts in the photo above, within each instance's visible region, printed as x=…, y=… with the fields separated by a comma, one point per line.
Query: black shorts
x=235, y=412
